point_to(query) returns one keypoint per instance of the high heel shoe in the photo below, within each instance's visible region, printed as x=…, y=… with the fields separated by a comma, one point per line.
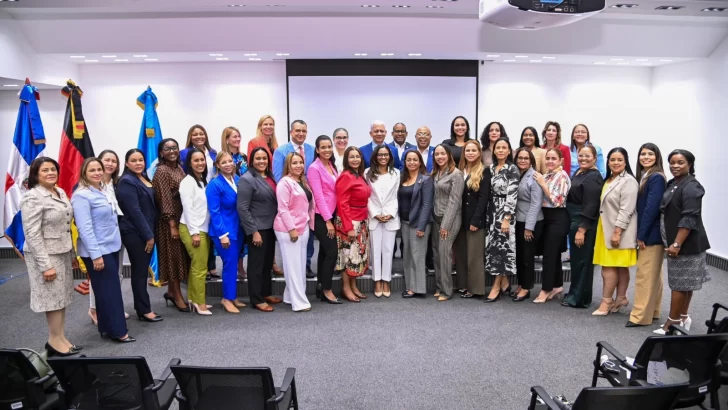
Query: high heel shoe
x=387, y=293
x=93, y=318
x=143, y=318
x=686, y=321
x=167, y=299
x=661, y=330
x=555, y=293
x=196, y=309
x=53, y=352
x=378, y=292
x=609, y=303
x=127, y=339
x=506, y=290
x=489, y=300
x=352, y=300
x=334, y=301
x=522, y=298
x=619, y=304
x=232, y=309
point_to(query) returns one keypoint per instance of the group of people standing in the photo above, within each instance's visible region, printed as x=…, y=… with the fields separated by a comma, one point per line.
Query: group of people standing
x=481, y=206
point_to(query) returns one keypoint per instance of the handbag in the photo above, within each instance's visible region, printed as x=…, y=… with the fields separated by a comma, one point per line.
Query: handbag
x=40, y=363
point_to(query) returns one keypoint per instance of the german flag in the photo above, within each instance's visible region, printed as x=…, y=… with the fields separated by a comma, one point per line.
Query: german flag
x=75, y=142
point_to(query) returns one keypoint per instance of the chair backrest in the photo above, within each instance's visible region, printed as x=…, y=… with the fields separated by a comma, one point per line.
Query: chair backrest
x=664, y=360
x=722, y=328
x=15, y=371
x=225, y=388
x=105, y=382
x=628, y=398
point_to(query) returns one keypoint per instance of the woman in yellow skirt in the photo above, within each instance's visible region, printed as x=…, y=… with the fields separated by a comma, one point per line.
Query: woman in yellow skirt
x=615, y=248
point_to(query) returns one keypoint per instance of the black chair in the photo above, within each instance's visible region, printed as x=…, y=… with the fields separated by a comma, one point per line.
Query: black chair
x=242, y=388
x=642, y=397
x=669, y=359
x=21, y=387
x=90, y=383
x=715, y=326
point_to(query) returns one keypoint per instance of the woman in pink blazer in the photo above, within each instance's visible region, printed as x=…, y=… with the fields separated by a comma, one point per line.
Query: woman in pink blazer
x=292, y=223
x=321, y=177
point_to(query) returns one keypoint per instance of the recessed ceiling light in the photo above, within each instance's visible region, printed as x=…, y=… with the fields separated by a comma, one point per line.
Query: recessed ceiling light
x=414, y=54
x=360, y=54
x=222, y=59
x=718, y=9
x=623, y=63
x=400, y=6
x=509, y=61
x=669, y=7
x=623, y=6
x=282, y=54
x=616, y=59
x=599, y=63
x=255, y=59
x=645, y=64
x=250, y=54
x=121, y=60
x=275, y=5
x=435, y=7
x=536, y=61
x=91, y=61
x=10, y=85
x=215, y=55
x=521, y=56
x=236, y=5
x=109, y=56
x=140, y=55
x=369, y=6
x=386, y=54
x=666, y=61
x=78, y=56
x=151, y=59
x=548, y=58
x=641, y=59
x=493, y=55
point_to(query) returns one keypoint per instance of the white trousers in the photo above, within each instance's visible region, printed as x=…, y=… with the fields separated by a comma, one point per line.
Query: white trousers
x=382, y=252
x=91, y=296
x=294, y=266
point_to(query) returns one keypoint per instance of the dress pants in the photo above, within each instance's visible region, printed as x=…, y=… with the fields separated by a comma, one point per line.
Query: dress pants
x=581, y=261
x=211, y=257
x=383, y=242
x=555, y=231
x=229, y=258
x=309, y=249
x=525, y=254
x=415, y=249
x=139, y=260
x=648, y=285
x=198, y=264
x=294, y=264
x=91, y=297
x=327, y=254
x=442, y=249
x=107, y=288
x=469, y=263
x=260, y=263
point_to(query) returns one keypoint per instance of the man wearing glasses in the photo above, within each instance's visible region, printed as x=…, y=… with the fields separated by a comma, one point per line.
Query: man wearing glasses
x=399, y=134
x=423, y=138
x=378, y=132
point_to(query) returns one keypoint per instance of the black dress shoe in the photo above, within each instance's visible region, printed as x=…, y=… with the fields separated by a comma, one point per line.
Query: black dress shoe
x=495, y=299
x=522, y=298
x=408, y=295
x=128, y=339
x=156, y=318
x=632, y=324
x=76, y=348
x=53, y=352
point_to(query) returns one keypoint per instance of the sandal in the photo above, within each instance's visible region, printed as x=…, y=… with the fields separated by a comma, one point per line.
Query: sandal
x=437, y=294
x=466, y=295
x=462, y=290
x=360, y=295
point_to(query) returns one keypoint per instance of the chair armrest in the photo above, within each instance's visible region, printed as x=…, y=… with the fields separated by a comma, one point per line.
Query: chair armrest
x=538, y=391
x=716, y=306
x=181, y=399
x=674, y=329
x=45, y=378
x=617, y=355
x=165, y=374
x=287, y=382
x=639, y=382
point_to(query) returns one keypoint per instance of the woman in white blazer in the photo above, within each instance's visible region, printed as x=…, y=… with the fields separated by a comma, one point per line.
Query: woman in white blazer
x=383, y=177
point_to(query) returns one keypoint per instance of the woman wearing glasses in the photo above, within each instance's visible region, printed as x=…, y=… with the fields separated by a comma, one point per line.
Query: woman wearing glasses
x=341, y=142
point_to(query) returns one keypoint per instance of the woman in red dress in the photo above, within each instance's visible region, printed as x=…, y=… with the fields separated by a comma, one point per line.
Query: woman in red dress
x=352, y=233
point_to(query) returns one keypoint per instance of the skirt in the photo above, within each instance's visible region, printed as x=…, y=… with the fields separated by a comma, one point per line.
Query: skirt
x=353, y=256
x=612, y=258
x=686, y=273
x=55, y=294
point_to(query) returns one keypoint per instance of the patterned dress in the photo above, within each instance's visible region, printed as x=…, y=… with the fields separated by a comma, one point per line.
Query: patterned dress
x=173, y=259
x=500, y=248
x=241, y=163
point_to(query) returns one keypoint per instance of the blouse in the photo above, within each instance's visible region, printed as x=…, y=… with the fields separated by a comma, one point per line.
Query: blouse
x=559, y=186
x=586, y=191
x=194, y=205
x=352, y=197
x=504, y=184
x=404, y=201
x=166, y=191
x=111, y=196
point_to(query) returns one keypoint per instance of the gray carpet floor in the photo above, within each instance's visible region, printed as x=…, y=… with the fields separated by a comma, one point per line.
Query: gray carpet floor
x=379, y=354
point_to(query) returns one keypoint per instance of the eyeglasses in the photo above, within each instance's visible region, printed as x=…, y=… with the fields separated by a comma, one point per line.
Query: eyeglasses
x=341, y=138
x=170, y=149
x=422, y=134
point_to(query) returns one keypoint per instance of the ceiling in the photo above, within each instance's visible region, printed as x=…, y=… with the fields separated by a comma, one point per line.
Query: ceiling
x=170, y=31
x=10, y=84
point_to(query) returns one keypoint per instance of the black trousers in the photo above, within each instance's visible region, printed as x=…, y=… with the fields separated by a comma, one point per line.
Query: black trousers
x=328, y=252
x=555, y=231
x=211, y=257
x=139, y=260
x=525, y=253
x=260, y=264
x=107, y=289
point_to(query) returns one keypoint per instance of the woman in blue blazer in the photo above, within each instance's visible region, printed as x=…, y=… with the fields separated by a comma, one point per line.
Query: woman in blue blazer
x=98, y=245
x=651, y=250
x=135, y=195
x=224, y=229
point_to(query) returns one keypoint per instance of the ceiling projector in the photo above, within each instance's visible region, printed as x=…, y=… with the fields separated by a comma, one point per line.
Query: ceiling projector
x=536, y=14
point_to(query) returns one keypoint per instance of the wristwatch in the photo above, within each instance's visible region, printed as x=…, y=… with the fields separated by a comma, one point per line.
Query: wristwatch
x=676, y=245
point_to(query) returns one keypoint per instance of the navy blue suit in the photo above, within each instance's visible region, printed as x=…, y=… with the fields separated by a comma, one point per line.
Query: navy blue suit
x=136, y=201
x=407, y=147
x=222, y=202
x=366, y=153
x=648, y=210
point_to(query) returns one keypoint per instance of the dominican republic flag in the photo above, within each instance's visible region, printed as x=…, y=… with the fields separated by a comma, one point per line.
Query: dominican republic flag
x=28, y=144
x=75, y=142
x=150, y=136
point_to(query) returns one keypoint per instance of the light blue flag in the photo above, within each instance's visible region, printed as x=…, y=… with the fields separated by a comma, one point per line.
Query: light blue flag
x=150, y=136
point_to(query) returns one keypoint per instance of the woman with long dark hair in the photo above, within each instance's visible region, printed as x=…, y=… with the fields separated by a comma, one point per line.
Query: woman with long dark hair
x=491, y=133
x=552, y=139
x=136, y=201
x=530, y=141
x=650, y=250
x=529, y=223
x=173, y=259
x=684, y=236
x=459, y=135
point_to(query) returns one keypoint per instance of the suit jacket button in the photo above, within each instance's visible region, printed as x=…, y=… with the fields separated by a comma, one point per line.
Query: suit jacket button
x=68, y=230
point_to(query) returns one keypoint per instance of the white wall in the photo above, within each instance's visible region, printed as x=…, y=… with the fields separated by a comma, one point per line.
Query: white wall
x=692, y=99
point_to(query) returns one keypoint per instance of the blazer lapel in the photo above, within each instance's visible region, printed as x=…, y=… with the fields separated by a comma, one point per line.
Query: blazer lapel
x=617, y=182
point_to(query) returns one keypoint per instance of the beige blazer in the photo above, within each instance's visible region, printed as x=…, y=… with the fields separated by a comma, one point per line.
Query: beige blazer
x=46, y=224
x=618, y=209
x=539, y=154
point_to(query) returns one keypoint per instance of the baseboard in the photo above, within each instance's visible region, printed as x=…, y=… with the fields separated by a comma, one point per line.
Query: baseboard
x=716, y=261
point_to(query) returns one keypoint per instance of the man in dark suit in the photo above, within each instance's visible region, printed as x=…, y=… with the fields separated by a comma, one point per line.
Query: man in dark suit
x=423, y=138
x=399, y=136
x=378, y=132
